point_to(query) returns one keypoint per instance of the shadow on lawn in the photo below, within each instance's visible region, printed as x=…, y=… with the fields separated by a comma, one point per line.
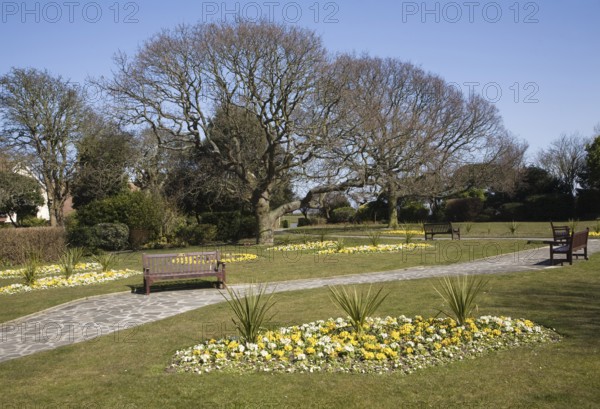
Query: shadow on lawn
x=569, y=305
x=179, y=285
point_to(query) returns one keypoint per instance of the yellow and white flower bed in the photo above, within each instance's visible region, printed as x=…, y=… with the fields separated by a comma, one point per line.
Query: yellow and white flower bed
x=386, y=344
x=381, y=248
x=404, y=232
x=332, y=247
x=238, y=257
x=595, y=234
x=51, y=269
x=312, y=245
x=75, y=280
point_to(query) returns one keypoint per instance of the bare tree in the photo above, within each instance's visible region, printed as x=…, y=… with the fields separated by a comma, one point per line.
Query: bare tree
x=276, y=74
x=41, y=117
x=565, y=159
x=418, y=131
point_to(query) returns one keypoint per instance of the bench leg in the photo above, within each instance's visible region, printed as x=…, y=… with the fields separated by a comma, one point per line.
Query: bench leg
x=147, y=286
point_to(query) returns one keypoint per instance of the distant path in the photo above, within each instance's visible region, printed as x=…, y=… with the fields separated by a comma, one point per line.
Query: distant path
x=86, y=319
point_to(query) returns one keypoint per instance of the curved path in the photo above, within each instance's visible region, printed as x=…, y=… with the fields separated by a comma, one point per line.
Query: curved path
x=86, y=319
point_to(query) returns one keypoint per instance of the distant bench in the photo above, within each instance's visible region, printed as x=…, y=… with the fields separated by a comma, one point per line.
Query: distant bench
x=575, y=242
x=161, y=267
x=431, y=229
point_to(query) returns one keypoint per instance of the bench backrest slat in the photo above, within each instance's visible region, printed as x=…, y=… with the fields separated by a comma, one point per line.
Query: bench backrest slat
x=180, y=263
x=579, y=239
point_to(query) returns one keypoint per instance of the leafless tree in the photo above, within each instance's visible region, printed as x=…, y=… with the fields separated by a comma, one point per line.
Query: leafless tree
x=41, y=117
x=565, y=160
x=277, y=74
x=418, y=131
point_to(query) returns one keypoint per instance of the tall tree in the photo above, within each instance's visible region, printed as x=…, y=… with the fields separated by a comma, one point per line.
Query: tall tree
x=591, y=171
x=277, y=74
x=41, y=117
x=105, y=153
x=19, y=196
x=417, y=130
x=565, y=160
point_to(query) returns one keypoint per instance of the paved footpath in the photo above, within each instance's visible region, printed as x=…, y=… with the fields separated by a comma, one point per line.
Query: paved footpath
x=86, y=319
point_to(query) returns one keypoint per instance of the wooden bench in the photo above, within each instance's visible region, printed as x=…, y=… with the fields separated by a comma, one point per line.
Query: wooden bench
x=161, y=267
x=560, y=233
x=431, y=229
x=575, y=242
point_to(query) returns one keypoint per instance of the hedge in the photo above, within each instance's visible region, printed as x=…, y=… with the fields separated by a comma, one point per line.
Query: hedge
x=16, y=245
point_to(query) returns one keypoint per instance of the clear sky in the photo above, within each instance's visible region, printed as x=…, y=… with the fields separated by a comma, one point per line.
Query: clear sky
x=538, y=61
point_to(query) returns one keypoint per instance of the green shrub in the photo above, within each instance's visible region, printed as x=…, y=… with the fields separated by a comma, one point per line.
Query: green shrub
x=15, y=244
x=197, y=234
x=231, y=225
x=463, y=209
x=111, y=236
x=303, y=221
x=414, y=212
x=33, y=222
x=343, y=215
x=137, y=210
x=285, y=224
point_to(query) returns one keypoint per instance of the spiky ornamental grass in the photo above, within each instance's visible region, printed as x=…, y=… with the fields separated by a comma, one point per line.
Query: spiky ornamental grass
x=358, y=305
x=460, y=293
x=250, y=310
x=69, y=260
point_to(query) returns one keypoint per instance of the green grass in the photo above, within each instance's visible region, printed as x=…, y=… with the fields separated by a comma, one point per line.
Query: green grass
x=478, y=230
x=128, y=370
x=270, y=267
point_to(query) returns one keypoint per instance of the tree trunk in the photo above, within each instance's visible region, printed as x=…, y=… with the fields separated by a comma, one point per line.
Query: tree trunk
x=392, y=208
x=265, y=221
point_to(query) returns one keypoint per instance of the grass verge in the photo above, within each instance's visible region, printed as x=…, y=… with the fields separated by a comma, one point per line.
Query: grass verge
x=128, y=369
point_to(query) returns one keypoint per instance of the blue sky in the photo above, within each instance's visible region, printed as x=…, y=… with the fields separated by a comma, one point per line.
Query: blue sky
x=538, y=62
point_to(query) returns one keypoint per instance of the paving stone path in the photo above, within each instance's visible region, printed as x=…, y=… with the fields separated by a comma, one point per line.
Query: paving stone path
x=89, y=318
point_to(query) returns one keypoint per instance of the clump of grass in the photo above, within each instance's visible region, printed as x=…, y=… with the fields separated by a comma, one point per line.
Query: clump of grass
x=468, y=227
x=358, y=305
x=597, y=226
x=70, y=258
x=513, y=227
x=408, y=234
x=460, y=294
x=250, y=310
x=106, y=260
x=573, y=224
x=30, y=269
x=374, y=238
x=340, y=245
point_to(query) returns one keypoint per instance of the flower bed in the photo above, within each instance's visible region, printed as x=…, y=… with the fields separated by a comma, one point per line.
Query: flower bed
x=51, y=269
x=404, y=232
x=595, y=234
x=332, y=247
x=386, y=344
x=74, y=281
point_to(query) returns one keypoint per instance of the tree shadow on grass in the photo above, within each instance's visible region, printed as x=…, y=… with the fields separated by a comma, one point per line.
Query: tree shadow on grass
x=569, y=305
x=174, y=285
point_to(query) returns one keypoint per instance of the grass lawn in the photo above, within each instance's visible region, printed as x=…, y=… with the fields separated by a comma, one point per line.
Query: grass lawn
x=467, y=229
x=128, y=370
x=269, y=267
